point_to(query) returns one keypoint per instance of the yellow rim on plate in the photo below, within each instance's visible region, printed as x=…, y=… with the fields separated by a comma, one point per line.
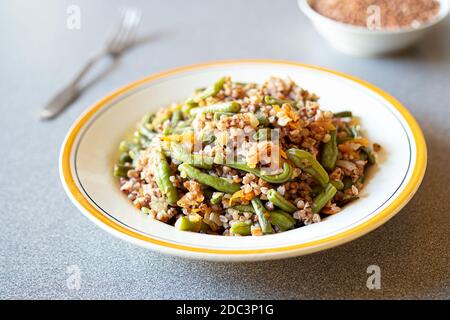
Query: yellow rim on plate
x=345, y=236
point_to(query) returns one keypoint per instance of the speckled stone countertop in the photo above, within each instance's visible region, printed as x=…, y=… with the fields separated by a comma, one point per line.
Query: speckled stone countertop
x=43, y=236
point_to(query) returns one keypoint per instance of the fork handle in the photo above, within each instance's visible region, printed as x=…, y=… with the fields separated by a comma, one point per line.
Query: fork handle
x=71, y=92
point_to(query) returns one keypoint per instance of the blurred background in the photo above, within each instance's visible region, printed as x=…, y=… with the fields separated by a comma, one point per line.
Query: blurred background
x=42, y=233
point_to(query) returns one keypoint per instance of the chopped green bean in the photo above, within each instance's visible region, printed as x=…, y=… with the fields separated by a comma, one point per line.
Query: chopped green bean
x=330, y=153
x=338, y=184
x=244, y=208
x=125, y=158
x=162, y=174
x=343, y=114
x=347, y=199
x=146, y=132
x=262, y=118
x=272, y=100
x=241, y=228
x=176, y=117
x=322, y=199
x=126, y=145
x=121, y=170
x=355, y=132
x=281, y=202
x=134, y=153
x=212, y=91
x=188, y=105
x=231, y=107
x=316, y=190
x=217, y=183
x=278, y=178
x=347, y=181
x=306, y=161
x=188, y=223
x=181, y=155
x=283, y=220
x=216, y=197
x=204, y=227
x=145, y=210
x=218, y=115
x=263, y=216
x=370, y=156
x=262, y=134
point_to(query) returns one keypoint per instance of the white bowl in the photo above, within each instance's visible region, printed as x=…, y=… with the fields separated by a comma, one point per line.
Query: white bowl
x=90, y=150
x=360, y=41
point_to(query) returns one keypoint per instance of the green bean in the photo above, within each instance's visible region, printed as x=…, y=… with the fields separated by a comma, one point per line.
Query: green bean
x=262, y=134
x=322, y=199
x=188, y=105
x=217, y=183
x=361, y=179
x=283, y=220
x=347, y=181
x=344, y=139
x=218, y=115
x=121, y=170
x=355, y=132
x=181, y=155
x=176, y=117
x=281, y=202
x=244, y=208
x=212, y=91
x=330, y=153
x=272, y=100
x=232, y=107
x=241, y=228
x=278, y=178
x=370, y=156
x=263, y=216
x=181, y=130
x=208, y=192
x=208, y=139
x=134, y=153
x=316, y=190
x=338, y=184
x=306, y=161
x=140, y=140
x=204, y=227
x=262, y=118
x=125, y=158
x=126, y=146
x=185, y=223
x=362, y=155
x=347, y=199
x=162, y=174
x=343, y=114
x=200, y=90
x=146, y=132
x=216, y=197
x=161, y=117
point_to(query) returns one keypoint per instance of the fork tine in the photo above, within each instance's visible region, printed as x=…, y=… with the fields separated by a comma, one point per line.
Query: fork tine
x=126, y=31
x=117, y=29
x=134, y=22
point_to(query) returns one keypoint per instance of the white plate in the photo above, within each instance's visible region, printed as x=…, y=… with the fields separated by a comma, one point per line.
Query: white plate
x=90, y=150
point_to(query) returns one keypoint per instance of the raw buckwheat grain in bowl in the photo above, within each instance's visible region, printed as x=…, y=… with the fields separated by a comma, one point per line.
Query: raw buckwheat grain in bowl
x=392, y=14
x=242, y=159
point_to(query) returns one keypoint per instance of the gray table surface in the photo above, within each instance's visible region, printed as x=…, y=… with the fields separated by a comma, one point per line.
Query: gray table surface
x=42, y=234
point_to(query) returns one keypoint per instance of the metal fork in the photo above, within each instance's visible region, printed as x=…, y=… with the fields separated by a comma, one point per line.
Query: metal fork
x=121, y=40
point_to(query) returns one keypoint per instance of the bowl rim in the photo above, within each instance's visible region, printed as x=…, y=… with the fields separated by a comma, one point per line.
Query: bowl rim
x=305, y=7
x=120, y=231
